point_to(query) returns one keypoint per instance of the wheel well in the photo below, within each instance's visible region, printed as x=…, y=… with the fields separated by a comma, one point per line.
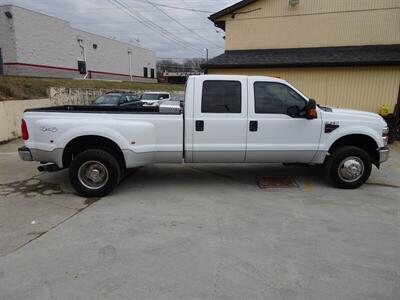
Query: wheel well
x=361, y=141
x=82, y=143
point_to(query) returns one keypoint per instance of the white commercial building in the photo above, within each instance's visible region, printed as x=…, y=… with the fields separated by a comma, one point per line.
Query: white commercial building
x=34, y=44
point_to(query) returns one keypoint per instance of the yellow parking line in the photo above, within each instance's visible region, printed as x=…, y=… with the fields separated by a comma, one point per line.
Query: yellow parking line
x=308, y=185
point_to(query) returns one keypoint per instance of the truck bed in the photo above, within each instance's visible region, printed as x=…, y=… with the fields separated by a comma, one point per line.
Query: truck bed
x=144, y=134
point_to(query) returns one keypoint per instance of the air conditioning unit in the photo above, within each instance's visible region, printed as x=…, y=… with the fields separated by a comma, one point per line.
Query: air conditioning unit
x=293, y=2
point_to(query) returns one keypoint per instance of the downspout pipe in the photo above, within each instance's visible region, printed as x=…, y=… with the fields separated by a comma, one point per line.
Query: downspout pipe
x=80, y=41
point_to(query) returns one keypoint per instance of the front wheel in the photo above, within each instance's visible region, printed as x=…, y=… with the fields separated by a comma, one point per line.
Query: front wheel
x=94, y=173
x=348, y=167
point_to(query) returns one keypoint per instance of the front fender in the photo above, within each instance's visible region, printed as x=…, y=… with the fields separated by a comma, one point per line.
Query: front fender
x=329, y=139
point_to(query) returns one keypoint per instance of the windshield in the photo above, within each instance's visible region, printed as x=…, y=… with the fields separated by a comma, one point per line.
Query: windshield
x=132, y=98
x=179, y=97
x=107, y=100
x=150, y=97
x=155, y=97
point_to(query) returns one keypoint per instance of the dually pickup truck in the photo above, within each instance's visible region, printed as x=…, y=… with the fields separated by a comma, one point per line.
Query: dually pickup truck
x=226, y=119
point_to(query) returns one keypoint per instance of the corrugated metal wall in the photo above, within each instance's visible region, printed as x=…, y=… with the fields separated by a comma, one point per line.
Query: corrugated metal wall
x=313, y=23
x=364, y=88
x=281, y=8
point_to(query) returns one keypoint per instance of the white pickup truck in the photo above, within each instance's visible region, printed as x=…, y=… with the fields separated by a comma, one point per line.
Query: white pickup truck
x=226, y=119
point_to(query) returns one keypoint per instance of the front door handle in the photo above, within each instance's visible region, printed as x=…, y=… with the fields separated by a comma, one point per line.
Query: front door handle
x=199, y=125
x=253, y=126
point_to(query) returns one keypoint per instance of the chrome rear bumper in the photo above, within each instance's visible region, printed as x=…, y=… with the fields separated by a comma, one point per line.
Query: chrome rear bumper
x=383, y=154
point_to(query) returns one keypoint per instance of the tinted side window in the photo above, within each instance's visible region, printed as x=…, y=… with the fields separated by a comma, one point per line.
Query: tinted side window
x=221, y=97
x=276, y=98
x=123, y=100
x=131, y=98
x=164, y=96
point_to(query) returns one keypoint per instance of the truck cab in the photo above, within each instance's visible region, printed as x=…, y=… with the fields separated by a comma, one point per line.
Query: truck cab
x=249, y=119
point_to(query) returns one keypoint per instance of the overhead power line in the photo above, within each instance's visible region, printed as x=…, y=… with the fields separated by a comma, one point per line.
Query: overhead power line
x=153, y=26
x=183, y=8
x=159, y=29
x=181, y=24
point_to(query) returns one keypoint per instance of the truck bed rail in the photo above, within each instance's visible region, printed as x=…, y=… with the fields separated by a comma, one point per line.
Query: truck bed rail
x=104, y=109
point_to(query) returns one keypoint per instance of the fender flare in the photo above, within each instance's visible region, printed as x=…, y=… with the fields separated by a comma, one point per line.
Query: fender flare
x=355, y=130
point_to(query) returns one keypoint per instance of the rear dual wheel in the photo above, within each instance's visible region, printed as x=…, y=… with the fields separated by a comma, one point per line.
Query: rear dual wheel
x=95, y=173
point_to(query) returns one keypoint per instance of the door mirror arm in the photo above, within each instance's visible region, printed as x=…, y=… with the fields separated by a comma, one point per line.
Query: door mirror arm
x=293, y=111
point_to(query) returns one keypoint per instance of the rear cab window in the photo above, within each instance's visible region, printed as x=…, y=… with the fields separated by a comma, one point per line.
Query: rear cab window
x=220, y=96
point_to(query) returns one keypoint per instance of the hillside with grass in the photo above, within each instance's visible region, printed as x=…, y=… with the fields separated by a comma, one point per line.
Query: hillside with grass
x=20, y=88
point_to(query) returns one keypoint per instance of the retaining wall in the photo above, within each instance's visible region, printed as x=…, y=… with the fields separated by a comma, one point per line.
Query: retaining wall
x=11, y=114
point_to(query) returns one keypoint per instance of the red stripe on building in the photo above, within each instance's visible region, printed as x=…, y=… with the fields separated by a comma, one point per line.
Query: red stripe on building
x=115, y=74
x=39, y=66
x=69, y=69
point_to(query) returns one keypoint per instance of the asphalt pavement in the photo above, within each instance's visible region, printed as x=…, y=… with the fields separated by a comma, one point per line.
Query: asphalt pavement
x=199, y=232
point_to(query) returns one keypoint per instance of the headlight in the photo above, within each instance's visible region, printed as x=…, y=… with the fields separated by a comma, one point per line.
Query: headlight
x=385, y=135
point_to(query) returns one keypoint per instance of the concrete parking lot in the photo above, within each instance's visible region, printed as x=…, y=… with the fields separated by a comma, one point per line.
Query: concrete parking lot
x=199, y=232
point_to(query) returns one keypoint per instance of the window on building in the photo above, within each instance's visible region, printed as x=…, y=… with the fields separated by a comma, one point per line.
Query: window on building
x=276, y=98
x=152, y=73
x=145, y=72
x=221, y=97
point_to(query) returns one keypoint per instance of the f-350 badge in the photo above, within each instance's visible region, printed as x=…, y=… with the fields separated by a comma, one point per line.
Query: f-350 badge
x=48, y=129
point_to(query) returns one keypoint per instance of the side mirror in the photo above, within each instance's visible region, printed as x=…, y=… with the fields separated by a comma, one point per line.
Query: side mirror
x=312, y=109
x=293, y=111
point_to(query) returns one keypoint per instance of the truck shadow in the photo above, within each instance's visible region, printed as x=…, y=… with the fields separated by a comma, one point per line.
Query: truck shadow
x=159, y=176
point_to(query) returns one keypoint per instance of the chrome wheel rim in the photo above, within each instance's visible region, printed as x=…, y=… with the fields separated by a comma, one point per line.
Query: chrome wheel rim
x=351, y=169
x=93, y=175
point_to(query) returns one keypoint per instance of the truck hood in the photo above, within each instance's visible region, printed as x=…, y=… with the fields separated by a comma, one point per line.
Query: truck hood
x=356, y=114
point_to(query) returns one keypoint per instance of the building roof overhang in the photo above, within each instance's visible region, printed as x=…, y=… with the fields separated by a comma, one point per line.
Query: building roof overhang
x=375, y=55
x=226, y=11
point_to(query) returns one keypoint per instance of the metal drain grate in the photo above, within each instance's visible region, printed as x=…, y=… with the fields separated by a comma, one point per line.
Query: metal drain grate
x=276, y=182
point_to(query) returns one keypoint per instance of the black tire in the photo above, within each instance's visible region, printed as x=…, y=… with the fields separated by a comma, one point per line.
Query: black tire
x=335, y=165
x=120, y=160
x=97, y=159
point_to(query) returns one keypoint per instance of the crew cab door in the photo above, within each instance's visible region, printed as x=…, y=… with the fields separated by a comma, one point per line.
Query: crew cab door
x=274, y=135
x=220, y=119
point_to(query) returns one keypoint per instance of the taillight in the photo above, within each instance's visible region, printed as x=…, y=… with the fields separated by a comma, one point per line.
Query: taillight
x=24, y=130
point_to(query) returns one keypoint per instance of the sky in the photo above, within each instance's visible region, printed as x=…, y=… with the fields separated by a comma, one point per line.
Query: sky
x=170, y=27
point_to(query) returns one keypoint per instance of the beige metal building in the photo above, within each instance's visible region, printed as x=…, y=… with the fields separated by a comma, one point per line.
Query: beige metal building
x=343, y=53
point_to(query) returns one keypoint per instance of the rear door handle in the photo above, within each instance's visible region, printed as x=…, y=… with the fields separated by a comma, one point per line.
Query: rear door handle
x=199, y=125
x=253, y=126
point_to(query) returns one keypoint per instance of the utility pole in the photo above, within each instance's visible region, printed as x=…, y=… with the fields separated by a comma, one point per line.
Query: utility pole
x=130, y=64
x=206, y=54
